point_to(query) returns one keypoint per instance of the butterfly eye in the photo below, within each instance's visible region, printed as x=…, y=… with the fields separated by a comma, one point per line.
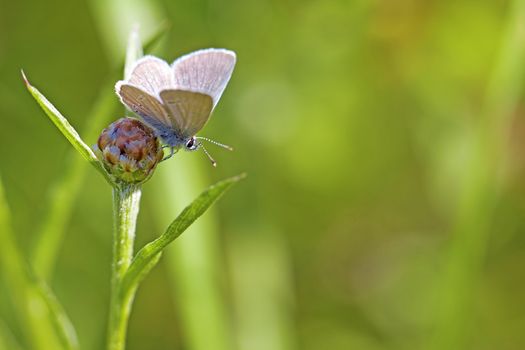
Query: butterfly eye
x=191, y=144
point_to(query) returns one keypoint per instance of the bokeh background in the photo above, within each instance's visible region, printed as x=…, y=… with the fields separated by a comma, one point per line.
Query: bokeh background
x=383, y=142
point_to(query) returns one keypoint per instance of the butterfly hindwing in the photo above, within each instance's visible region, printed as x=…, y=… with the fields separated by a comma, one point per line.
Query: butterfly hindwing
x=143, y=103
x=189, y=110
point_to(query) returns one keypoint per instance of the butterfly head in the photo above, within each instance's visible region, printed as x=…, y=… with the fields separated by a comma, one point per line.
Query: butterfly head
x=192, y=144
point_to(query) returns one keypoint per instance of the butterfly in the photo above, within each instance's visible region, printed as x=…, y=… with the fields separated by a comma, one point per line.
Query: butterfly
x=177, y=100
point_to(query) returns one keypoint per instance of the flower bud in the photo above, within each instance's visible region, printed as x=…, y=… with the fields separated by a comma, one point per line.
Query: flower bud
x=129, y=150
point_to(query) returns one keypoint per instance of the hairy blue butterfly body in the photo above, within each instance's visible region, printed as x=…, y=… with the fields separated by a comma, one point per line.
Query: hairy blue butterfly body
x=177, y=100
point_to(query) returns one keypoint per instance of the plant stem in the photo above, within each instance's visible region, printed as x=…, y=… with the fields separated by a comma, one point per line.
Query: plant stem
x=126, y=199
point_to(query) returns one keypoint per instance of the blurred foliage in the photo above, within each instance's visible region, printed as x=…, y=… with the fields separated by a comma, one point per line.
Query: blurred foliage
x=354, y=122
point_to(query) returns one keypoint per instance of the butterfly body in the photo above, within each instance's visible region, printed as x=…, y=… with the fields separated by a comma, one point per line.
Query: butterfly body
x=170, y=137
x=177, y=100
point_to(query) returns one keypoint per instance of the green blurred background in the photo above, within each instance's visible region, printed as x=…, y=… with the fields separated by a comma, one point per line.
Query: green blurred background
x=383, y=142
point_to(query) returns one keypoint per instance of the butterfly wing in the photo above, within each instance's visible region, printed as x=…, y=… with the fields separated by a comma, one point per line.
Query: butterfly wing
x=189, y=110
x=142, y=103
x=181, y=97
x=205, y=71
x=151, y=74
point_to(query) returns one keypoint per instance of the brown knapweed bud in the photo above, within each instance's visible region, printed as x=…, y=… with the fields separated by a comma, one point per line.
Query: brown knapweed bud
x=129, y=150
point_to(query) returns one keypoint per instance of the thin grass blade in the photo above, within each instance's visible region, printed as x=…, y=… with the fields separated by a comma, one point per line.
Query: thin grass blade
x=473, y=222
x=7, y=338
x=133, y=51
x=63, y=326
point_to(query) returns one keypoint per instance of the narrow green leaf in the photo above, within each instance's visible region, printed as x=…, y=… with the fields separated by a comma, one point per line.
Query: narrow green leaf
x=61, y=322
x=63, y=192
x=144, y=260
x=65, y=128
x=195, y=262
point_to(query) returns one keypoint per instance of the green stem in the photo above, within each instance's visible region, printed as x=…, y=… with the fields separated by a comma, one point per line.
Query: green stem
x=126, y=199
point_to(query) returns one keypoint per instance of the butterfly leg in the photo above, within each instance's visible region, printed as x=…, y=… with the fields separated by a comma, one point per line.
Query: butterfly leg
x=172, y=152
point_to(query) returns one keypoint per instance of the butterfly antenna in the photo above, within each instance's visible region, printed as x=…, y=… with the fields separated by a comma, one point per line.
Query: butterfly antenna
x=213, y=162
x=229, y=148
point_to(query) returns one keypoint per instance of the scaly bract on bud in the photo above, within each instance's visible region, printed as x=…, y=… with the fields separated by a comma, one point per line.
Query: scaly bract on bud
x=129, y=150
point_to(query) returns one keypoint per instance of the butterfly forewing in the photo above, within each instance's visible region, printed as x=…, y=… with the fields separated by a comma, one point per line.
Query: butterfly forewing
x=189, y=110
x=143, y=103
x=205, y=71
x=151, y=74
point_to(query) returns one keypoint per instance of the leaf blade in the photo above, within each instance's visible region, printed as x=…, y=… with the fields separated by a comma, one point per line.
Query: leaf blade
x=144, y=259
x=133, y=51
x=65, y=128
x=60, y=320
